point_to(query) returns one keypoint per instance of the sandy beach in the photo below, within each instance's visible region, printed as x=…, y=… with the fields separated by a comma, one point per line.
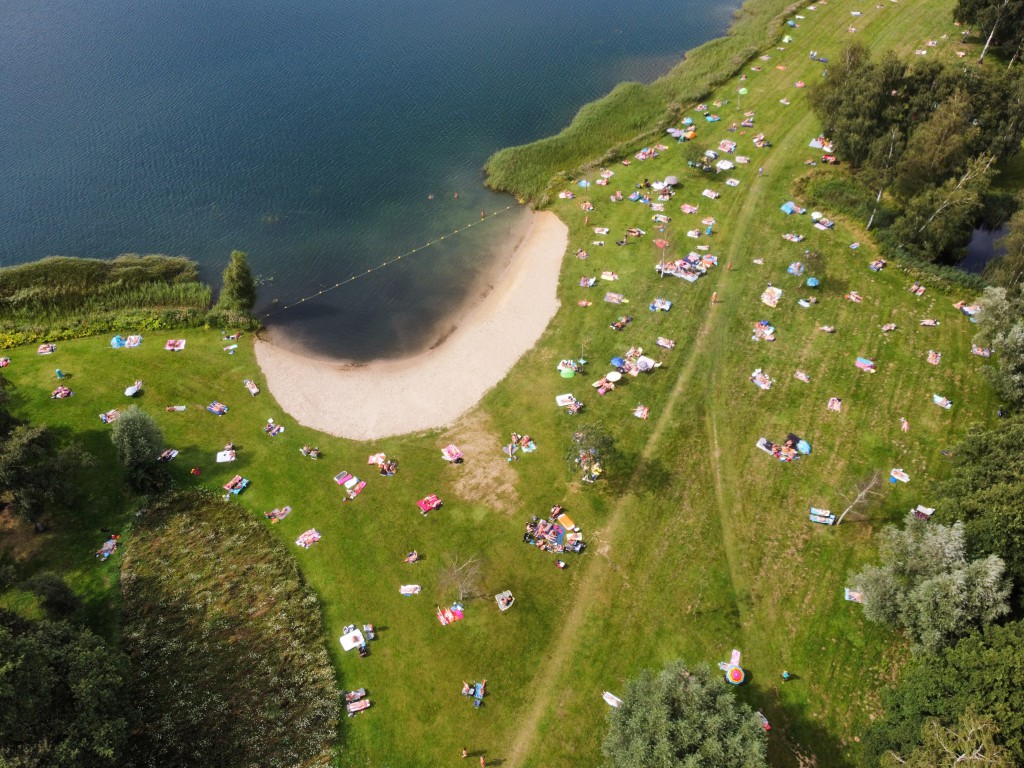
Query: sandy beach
x=435, y=387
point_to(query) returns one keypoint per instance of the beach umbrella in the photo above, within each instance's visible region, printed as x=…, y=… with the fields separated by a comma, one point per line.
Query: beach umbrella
x=618, y=362
x=661, y=243
x=657, y=186
x=613, y=376
x=672, y=179
x=132, y=391
x=568, y=373
x=812, y=282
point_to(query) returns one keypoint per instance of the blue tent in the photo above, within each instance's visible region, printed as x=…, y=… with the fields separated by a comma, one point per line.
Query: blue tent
x=812, y=282
x=788, y=208
x=618, y=361
x=117, y=342
x=804, y=447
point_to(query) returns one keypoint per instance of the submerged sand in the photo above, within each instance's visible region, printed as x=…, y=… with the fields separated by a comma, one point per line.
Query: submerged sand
x=433, y=388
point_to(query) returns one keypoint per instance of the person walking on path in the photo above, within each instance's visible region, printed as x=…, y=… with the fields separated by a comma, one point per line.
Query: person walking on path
x=714, y=297
x=483, y=763
x=760, y=171
x=465, y=753
x=904, y=425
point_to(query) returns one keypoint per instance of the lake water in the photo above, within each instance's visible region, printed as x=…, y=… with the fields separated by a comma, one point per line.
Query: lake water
x=308, y=134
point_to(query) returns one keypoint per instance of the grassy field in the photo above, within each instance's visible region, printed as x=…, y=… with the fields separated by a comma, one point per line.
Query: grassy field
x=699, y=542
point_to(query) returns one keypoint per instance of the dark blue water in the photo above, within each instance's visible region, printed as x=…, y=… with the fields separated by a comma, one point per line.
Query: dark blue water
x=308, y=134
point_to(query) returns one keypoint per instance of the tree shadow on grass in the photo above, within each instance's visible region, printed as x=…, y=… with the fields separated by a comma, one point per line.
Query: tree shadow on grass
x=796, y=737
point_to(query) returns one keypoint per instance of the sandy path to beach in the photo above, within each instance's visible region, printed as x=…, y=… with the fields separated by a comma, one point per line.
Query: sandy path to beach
x=434, y=388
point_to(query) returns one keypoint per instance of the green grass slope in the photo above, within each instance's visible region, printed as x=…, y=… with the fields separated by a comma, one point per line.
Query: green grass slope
x=699, y=542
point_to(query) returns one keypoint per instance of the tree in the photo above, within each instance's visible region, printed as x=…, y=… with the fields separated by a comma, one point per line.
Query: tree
x=972, y=741
x=867, y=492
x=238, y=293
x=983, y=674
x=937, y=148
x=853, y=101
x=941, y=219
x=592, y=447
x=35, y=473
x=138, y=441
x=985, y=492
x=461, y=576
x=678, y=717
x=1005, y=16
x=926, y=586
x=1002, y=326
x=1007, y=271
x=61, y=696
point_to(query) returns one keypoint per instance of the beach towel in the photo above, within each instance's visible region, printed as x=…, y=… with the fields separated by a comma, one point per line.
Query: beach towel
x=942, y=402
x=308, y=538
x=377, y=459
x=981, y=351
x=710, y=193
x=251, y=386
x=899, y=474
x=732, y=182
x=409, y=589
x=46, y=349
x=451, y=453
x=852, y=596
x=822, y=516
x=615, y=298
x=110, y=416
x=865, y=365
x=277, y=515
x=225, y=456
x=217, y=408
x=429, y=503
x=175, y=345
x=771, y=296
x=167, y=454
x=642, y=411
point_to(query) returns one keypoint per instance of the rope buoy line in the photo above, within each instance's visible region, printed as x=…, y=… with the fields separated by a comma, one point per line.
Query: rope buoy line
x=380, y=266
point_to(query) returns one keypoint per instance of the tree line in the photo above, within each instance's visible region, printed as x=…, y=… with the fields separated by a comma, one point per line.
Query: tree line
x=924, y=140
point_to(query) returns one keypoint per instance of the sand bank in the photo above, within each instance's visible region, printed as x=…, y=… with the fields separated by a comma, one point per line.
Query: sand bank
x=433, y=388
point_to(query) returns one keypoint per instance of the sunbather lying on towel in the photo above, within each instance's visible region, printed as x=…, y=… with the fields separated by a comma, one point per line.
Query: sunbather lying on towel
x=835, y=404
x=854, y=297
x=888, y=327
x=931, y=323
x=61, y=392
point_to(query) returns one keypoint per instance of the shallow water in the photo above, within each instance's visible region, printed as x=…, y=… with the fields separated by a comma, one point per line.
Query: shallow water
x=309, y=135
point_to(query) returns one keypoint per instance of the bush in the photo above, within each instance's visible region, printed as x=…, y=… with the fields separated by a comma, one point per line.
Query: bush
x=138, y=442
x=226, y=644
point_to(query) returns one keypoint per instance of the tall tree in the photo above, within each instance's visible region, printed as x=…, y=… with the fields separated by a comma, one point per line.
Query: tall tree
x=983, y=674
x=971, y=742
x=1007, y=270
x=62, y=702
x=991, y=16
x=138, y=441
x=939, y=220
x=985, y=492
x=937, y=148
x=35, y=472
x=1002, y=327
x=677, y=718
x=926, y=585
x=851, y=103
x=238, y=293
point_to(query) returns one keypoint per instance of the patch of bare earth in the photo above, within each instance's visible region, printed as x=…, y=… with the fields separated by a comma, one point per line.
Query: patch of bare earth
x=18, y=539
x=485, y=476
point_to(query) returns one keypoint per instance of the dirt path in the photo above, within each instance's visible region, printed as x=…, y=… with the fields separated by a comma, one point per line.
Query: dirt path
x=564, y=644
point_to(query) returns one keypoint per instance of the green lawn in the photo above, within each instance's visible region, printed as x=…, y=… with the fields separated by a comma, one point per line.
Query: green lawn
x=699, y=543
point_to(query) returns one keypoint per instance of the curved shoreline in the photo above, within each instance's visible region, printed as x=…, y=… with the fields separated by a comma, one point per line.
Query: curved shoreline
x=432, y=388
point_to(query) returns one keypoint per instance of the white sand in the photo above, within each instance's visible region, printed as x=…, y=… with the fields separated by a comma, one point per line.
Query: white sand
x=434, y=388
